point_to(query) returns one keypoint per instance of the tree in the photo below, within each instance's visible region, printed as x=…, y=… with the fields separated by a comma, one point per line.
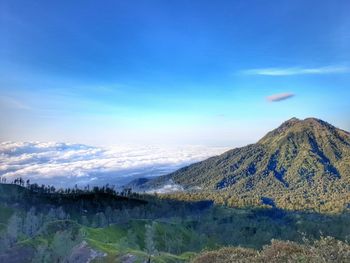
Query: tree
x=62, y=244
x=60, y=213
x=102, y=220
x=14, y=228
x=149, y=239
x=84, y=221
x=132, y=239
x=31, y=223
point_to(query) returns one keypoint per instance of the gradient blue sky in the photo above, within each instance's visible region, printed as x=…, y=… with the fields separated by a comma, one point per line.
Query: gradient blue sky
x=170, y=72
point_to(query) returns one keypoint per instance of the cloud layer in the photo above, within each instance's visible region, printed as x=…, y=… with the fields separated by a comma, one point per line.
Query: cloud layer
x=64, y=164
x=297, y=71
x=279, y=97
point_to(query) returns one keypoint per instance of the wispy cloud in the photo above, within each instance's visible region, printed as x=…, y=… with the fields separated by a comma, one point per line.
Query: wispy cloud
x=12, y=103
x=169, y=187
x=279, y=97
x=297, y=71
x=64, y=164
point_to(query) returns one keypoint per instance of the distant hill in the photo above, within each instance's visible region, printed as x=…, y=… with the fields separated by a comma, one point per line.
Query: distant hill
x=138, y=184
x=15, y=195
x=302, y=159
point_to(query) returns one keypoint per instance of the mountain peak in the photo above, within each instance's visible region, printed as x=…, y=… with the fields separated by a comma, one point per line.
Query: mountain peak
x=292, y=120
x=296, y=155
x=294, y=126
x=318, y=123
x=305, y=122
x=289, y=123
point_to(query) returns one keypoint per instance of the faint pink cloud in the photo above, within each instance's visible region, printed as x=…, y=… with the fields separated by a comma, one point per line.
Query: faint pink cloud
x=280, y=97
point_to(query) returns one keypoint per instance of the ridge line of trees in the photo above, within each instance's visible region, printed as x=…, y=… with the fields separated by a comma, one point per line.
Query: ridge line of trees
x=50, y=189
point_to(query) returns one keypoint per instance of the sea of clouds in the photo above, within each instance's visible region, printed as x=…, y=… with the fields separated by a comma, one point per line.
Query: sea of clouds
x=66, y=164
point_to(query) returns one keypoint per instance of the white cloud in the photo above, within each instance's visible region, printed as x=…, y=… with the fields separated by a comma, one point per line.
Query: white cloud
x=297, y=71
x=279, y=97
x=64, y=164
x=170, y=187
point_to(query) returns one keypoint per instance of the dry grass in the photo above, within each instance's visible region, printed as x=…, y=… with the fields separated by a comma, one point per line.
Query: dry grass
x=324, y=250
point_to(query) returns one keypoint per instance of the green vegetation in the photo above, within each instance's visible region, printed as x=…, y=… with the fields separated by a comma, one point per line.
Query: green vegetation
x=236, y=216
x=162, y=230
x=302, y=165
x=5, y=213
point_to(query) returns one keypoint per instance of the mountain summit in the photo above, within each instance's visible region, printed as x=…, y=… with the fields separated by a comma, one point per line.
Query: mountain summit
x=307, y=157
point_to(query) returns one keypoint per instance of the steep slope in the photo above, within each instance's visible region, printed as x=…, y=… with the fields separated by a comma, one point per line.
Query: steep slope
x=307, y=156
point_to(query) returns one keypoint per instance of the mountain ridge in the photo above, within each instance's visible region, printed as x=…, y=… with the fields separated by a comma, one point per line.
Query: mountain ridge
x=301, y=157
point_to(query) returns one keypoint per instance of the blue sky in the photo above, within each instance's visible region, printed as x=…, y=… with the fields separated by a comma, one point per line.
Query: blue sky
x=170, y=72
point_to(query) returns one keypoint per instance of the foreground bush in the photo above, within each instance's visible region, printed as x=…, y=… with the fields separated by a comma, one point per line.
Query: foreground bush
x=324, y=250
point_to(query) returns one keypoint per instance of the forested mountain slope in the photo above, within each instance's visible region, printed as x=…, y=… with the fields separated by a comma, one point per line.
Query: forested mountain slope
x=302, y=159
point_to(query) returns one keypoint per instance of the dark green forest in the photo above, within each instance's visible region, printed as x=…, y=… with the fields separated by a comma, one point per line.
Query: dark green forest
x=42, y=224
